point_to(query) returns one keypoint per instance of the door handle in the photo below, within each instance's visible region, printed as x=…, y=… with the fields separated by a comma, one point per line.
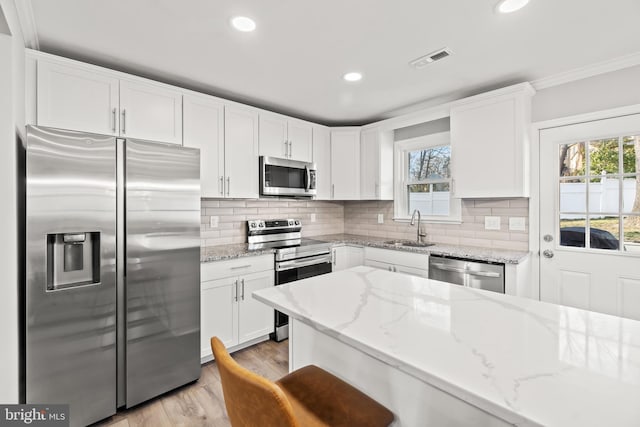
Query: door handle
x=290, y=149
x=235, y=288
x=228, y=185
x=221, y=186
x=333, y=191
x=286, y=149
x=113, y=113
x=124, y=121
x=307, y=175
x=548, y=253
x=242, y=289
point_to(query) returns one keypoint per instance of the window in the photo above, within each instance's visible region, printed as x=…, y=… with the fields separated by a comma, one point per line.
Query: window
x=423, y=180
x=599, y=184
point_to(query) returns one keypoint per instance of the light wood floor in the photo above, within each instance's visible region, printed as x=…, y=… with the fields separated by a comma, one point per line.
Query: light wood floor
x=202, y=403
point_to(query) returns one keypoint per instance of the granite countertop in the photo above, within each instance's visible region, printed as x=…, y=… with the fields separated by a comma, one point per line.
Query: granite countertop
x=477, y=253
x=525, y=361
x=223, y=252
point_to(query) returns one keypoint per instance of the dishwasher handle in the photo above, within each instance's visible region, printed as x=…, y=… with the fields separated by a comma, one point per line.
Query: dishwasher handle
x=442, y=266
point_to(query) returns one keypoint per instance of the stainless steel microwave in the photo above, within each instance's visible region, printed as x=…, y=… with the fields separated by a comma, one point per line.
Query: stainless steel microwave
x=290, y=178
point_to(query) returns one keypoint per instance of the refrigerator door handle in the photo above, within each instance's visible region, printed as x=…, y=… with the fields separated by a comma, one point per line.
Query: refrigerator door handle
x=121, y=268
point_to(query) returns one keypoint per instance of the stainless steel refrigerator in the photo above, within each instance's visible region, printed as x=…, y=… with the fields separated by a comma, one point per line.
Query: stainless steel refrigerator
x=112, y=297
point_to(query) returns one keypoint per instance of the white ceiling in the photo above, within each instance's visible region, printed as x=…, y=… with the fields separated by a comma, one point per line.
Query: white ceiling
x=294, y=61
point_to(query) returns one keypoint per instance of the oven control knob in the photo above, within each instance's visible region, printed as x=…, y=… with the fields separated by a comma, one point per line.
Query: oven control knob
x=297, y=222
x=261, y=224
x=290, y=222
x=253, y=225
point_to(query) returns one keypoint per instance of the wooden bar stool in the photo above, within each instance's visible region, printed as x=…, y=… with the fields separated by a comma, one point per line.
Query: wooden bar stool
x=307, y=397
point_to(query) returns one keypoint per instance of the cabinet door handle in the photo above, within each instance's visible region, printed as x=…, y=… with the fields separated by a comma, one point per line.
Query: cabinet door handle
x=286, y=148
x=235, y=288
x=333, y=191
x=389, y=268
x=290, y=149
x=124, y=121
x=113, y=127
x=228, y=184
x=221, y=185
x=242, y=289
x=333, y=257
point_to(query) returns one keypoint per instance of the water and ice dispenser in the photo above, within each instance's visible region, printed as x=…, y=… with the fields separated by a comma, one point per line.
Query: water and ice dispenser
x=73, y=259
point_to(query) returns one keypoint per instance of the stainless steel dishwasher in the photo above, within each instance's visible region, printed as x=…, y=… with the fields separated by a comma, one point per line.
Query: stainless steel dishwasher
x=473, y=274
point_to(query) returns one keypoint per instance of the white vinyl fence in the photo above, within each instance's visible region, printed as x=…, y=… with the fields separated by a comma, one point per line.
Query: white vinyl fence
x=603, y=197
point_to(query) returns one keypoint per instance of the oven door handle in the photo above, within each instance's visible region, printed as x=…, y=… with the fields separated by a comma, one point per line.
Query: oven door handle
x=305, y=262
x=307, y=174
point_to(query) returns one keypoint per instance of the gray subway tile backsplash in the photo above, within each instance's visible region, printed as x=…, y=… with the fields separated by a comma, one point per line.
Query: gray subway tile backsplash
x=361, y=217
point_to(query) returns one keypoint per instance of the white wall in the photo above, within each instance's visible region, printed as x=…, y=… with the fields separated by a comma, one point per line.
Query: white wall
x=11, y=124
x=598, y=93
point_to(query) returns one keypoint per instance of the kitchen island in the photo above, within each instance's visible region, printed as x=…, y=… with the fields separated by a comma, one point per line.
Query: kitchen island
x=443, y=355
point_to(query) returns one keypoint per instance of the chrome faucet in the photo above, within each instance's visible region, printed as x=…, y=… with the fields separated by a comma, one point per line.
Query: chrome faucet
x=413, y=222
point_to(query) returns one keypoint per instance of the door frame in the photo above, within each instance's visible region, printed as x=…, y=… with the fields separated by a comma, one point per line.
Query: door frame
x=534, y=153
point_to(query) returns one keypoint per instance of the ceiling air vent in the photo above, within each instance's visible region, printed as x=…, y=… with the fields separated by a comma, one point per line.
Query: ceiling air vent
x=423, y=61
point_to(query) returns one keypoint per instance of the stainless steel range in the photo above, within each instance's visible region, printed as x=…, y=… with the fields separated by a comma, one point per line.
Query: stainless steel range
x=296, y=258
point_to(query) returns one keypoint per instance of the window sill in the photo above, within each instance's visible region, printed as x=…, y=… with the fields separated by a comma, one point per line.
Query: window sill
x=430, y=220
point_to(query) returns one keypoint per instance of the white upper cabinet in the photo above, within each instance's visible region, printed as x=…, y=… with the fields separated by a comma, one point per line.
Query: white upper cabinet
x=241, y=152
x=83, y=97
x=203, y=128
x=345, y=163
x=273, y=135
x=150, y=112
x=284, y=137
x=77, y=99
x=322, y=160
x=490, y=143
x=376, y=165
x=300, y=135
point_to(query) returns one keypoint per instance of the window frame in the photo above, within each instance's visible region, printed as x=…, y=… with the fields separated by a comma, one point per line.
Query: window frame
x=400, y=179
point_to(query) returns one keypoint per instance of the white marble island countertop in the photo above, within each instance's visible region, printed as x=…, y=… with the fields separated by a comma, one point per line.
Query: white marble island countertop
x=525, y=361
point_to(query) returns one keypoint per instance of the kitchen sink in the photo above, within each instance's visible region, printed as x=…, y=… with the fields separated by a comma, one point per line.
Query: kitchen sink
x=408, y=243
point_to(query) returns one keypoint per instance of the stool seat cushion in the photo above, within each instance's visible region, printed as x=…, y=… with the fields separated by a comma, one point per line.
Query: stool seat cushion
x=319, y=398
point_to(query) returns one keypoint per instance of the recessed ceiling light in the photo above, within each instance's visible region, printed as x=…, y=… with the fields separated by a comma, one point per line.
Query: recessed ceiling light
x=244, y=24
x=508, y=6
x=352, y=77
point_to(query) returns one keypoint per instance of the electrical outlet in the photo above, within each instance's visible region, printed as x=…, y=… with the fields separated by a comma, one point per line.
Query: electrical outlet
x=214, y=221
x=492, y=223
x=380, y=218
x=313, y=217
x=517, y=223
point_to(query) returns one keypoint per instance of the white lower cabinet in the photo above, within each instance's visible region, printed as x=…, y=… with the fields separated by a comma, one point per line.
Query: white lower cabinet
x=227, y=309
x=398, y=261
x=255, y=319
x=345, y=256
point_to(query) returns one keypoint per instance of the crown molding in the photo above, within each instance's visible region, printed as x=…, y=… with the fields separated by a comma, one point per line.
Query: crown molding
x=598, y=68
x=27, y=20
